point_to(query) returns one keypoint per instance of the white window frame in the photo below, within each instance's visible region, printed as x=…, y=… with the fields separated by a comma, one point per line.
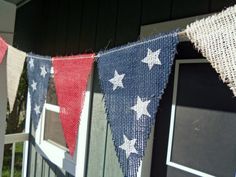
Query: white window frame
x=75, y=165
x=172, y=121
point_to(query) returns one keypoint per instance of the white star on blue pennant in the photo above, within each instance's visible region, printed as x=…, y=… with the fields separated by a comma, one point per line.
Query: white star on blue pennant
x=128, y=146
x=152, y=58
x=117, y=80
x=141, y=108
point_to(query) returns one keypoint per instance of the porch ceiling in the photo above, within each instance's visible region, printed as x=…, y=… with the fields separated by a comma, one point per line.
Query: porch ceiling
x=18, y=3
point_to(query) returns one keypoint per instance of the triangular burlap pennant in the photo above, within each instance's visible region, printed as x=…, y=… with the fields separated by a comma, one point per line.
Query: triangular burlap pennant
x=39, y=72
x=15, y=63
x=3, y=49
x=133, y=79
x=71, y=76
x=215, y=38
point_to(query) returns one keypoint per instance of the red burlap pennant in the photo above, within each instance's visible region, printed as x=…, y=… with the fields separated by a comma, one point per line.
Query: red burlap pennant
x=3, y=49
x=71, y=76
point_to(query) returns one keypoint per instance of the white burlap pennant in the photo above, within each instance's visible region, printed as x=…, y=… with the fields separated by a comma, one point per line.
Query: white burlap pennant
x=215, y=38
x=15, y=63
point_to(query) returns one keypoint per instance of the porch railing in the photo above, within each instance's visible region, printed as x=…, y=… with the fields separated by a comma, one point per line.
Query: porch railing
x=13, y=139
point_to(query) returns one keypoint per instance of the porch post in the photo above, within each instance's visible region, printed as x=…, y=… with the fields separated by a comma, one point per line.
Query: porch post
x=3, y=110
x=7, y=19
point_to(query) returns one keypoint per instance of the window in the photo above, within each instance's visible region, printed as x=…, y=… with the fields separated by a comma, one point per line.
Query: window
x=202, y=129
x=49, y=137
x=53, y=131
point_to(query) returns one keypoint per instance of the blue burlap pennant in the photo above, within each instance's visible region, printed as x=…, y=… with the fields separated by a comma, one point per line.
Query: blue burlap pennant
x=38, y=70
x=133, y=79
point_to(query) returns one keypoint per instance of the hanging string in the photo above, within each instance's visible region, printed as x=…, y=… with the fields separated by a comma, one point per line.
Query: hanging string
x=64, y=57
x=182, y=38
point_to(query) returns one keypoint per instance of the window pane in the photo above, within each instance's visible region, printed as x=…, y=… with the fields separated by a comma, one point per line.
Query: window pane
x=51, y=96
x=204, y=130
x=53, y=130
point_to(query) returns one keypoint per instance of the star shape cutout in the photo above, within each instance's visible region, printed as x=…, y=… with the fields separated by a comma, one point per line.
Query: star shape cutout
x=128, y=146
x=31, y=63
x=43, y=71
x=141, y=108
x=117, y=80
x=152, y=58
x=36, y=109
x=34, y=85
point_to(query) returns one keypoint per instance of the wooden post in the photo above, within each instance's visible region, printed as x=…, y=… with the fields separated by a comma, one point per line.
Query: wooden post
x=7, y=19
x=3, y=109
